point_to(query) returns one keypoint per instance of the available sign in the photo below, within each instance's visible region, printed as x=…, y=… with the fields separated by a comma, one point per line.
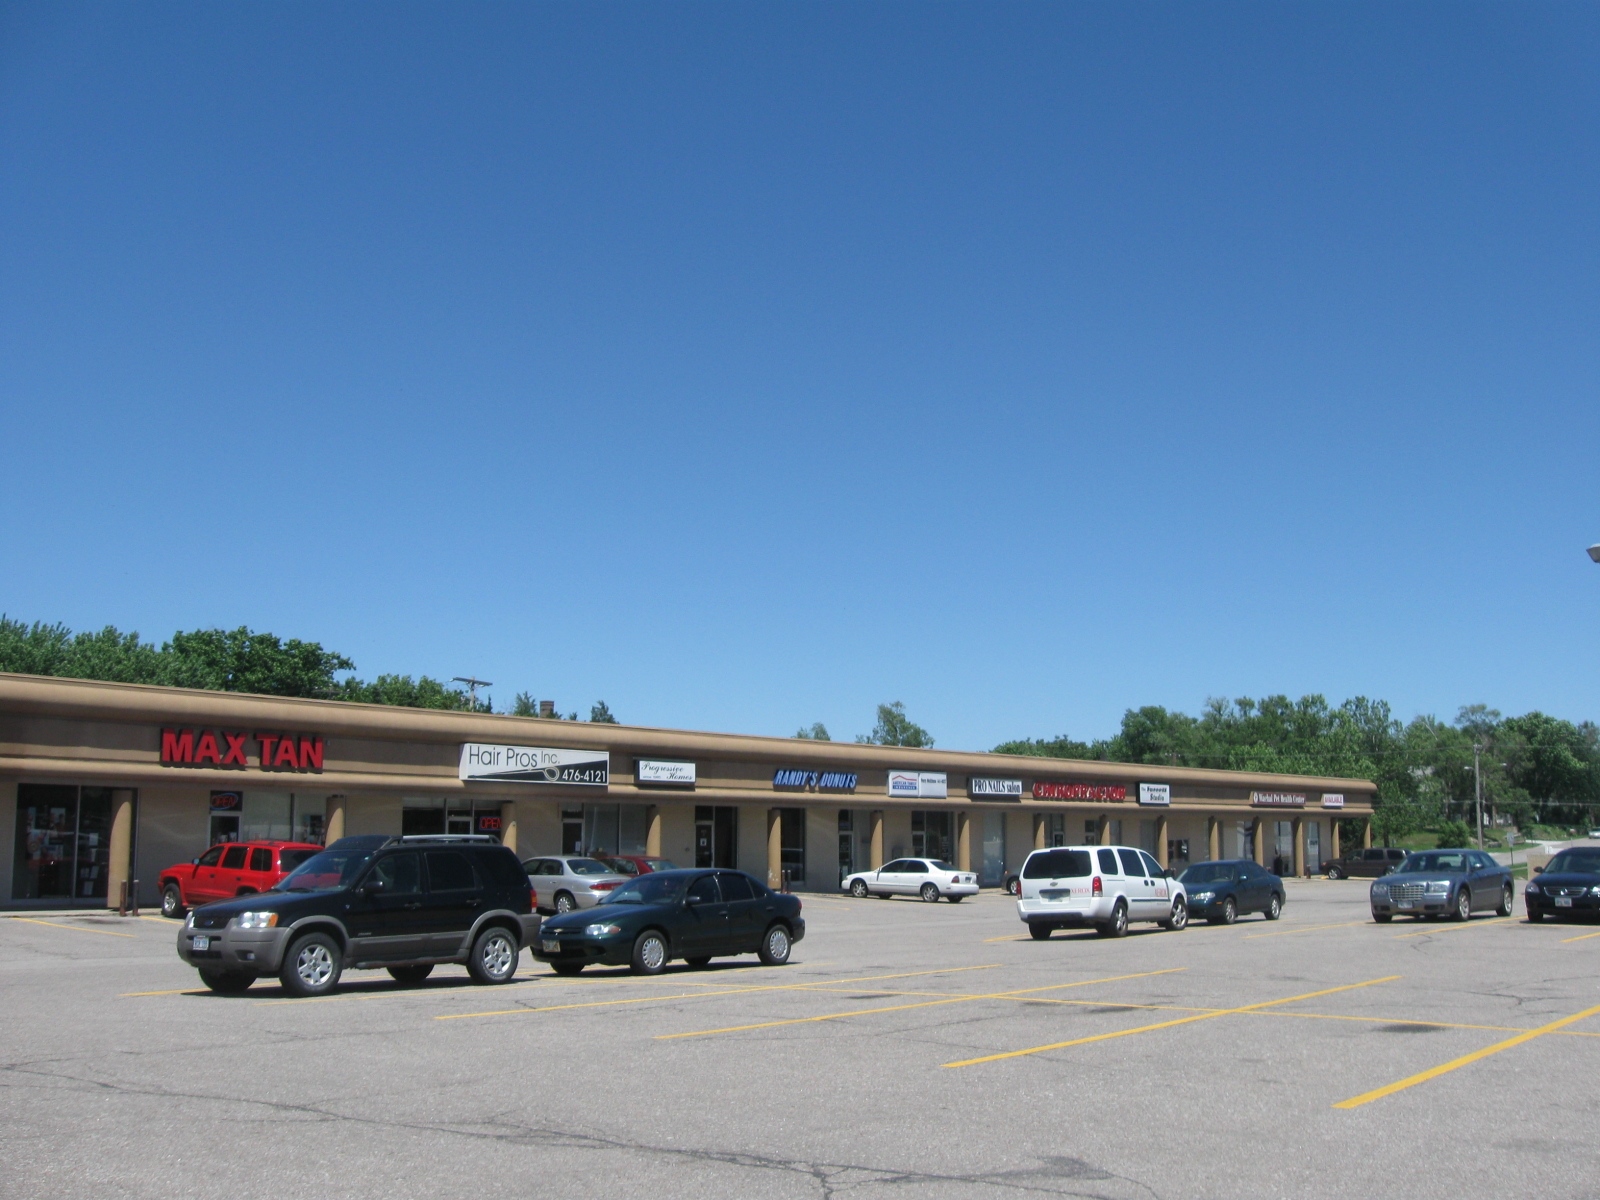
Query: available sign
x=664, y=773
x=482, y=761
x=1046, y=789
x=994, y=789
x=1332, y=799
x=797, y=779
x=227, y=748
x=1278, y=799
x=1155, y=794
x=918, y=785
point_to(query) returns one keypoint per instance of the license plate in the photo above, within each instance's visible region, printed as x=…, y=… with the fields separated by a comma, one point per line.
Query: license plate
x=202, y=943
x=1404, y=903
x=550, y=946
x=1563, y=901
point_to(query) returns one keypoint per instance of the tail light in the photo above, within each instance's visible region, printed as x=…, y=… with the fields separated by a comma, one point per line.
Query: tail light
x=603, y=887
x=1097, y=888
x=533, y=897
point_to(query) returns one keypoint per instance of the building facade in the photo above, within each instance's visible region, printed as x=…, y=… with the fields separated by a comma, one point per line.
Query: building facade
x=103, y=784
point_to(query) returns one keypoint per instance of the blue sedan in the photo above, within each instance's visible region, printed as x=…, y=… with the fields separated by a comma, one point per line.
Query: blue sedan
x=1438, y=883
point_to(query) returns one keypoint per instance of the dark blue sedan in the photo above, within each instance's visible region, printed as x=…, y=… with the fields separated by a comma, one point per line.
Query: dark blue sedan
x=1568, y=886
x=1438, y=883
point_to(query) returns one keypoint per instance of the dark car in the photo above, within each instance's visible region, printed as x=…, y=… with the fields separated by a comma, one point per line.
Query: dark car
x=1371, y=863
x=692, y=915
x=1433, y=883
x=1568, y=885
x=402, y=903
x=1219, y=891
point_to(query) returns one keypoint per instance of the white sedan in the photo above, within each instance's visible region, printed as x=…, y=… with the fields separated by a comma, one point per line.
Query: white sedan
x=925, y=877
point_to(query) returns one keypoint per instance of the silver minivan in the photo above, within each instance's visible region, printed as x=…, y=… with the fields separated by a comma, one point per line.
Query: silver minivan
x=1067, y=887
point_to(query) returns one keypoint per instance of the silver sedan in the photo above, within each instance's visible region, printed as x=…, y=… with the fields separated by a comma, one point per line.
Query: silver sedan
x=564, y=882
x=929, y=878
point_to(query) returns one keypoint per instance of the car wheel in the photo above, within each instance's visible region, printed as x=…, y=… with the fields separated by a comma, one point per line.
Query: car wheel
x=1274, y=907
x=1039, y=931
x=1463, y=905
x=1382, y=918
x=1014, y=886
x=313, y=966
x=1180, y=915
x=226, y=983
x=172, y=901
x=1508, y=895
x=955, y=899
x=411, y=976
x=649, y=953
x=494, y=956
x=1117, y=926
x=1534, y=915
x=699, y=962
x=565, y=903
x=858, y=888
x=1230, y=911
x=566, y=968
x=930, y=892
x=1335, y=873
x=775, y=946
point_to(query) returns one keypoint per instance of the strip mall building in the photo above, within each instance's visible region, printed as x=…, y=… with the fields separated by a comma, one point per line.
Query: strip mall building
x=102, y=784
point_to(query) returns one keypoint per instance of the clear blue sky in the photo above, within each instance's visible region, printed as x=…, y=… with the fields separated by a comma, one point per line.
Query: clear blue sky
x=748, y=365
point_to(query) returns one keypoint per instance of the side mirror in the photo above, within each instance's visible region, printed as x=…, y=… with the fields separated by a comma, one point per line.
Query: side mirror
x=1170, y=873
x=1538, y=870
x=194, y=862
x=372, y=887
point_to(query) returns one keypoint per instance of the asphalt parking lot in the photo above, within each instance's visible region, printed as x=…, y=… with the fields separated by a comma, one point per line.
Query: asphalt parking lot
x=908, y=1050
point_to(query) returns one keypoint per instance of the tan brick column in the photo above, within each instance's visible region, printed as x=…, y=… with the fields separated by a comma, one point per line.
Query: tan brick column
x=508, y=825
x=333, y=827
x=120, y=870
x=1161, y=840
x=1333, y=838
x=875, y=843
x=1038, y=831
x=1299, y=847
x=1105, y=829
x=1258, y=851
x=652, y=831
x=775, y=848
x=1213, y=838
x=1366, y=834
x=963, y=841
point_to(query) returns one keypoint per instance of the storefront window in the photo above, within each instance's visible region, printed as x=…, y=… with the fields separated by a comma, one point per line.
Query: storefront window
x=615, y=828
x=792, y=843
x=994, y=850
x=931, y=835
x=63, y=843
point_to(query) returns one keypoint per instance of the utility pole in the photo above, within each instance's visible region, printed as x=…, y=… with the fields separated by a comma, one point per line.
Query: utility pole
x=1477, y=787
x=474, y=684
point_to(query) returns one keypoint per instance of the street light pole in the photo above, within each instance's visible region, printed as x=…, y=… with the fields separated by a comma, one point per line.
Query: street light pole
x=1477, y=787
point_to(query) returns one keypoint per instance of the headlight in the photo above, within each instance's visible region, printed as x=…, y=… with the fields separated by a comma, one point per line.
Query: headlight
x=1438, y=887
x=1380, y=891
x=257, y=920
x=602, y=930
x=1202, y=897
x=188, y=922
x=1532, y=888
x=1594, y=891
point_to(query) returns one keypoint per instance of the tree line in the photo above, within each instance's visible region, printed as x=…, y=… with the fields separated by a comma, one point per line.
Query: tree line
x=237, y=660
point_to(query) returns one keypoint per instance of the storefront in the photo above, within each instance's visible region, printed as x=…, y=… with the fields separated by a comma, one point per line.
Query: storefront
x=103, y=784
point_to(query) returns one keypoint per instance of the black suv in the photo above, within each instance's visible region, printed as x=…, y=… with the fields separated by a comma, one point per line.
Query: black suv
x=404, y=903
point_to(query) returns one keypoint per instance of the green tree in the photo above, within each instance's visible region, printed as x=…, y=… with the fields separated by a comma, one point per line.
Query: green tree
x=817, y=733
x=242, y=660
x=1455, y=834
x=894, y=728
x=524, y=705
x=1056, y=747
x=404, y=692
x=599, y=714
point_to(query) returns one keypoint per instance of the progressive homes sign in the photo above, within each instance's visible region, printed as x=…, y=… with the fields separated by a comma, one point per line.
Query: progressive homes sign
x=484, y=762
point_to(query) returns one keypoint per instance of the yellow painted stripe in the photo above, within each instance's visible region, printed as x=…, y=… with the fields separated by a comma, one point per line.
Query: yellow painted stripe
x=1010, y=937
x=78, y=928
x=1304, y=929
x=170, y=992
x=1121, y=1033
x=1582, y=937
x=1457, y=928
x=867, y=1012
x=1465, y=1060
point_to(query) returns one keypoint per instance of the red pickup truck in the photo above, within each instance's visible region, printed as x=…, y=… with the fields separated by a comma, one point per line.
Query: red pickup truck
x=229, y=870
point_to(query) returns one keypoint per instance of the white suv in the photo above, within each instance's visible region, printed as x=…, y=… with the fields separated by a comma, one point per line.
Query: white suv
x=1104, y=886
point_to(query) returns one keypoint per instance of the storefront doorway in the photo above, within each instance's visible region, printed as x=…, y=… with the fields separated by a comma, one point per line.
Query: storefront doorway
x=847, y=843
x=63, y=845
x=716, y=836
x=931, y=835
x=1314, y=847
x=993, y=872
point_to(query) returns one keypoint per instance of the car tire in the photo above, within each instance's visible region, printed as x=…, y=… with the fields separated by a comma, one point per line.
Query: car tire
x=567, y=968
x=858, y=888
x=1230, y=911
x=650, y=954
x=955, y=899
x=172, y=901
x=699, y=962
x=1534, y=915
x=313, y=966
x=412, y=975
x=776, y=946
x=1508, y=896
x=1335, y=873
x=1039, y=931
x=1180, y=915
x=1013, y=886
x=494, y=956
x=1463, y=910
x=227, y=983
x=930, y=892
x=565, y=903
x=1274, y=907
x=1382, y=918
x=1117, y=926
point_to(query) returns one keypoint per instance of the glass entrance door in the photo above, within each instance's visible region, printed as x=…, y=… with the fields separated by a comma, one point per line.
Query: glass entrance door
x=63, y=843
x=716, y=829
x=994, y=850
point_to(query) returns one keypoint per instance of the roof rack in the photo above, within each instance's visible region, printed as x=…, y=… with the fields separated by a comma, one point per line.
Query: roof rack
x=475, y=839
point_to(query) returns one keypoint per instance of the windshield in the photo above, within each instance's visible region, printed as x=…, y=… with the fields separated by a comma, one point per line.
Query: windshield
x=1585, y=861
x=290, y=859
x=648, y=889
x=661, y=864
x=588, y=866
x=1207, y=873
x=1435, y=861
x=1057, y=864
x=325, y=872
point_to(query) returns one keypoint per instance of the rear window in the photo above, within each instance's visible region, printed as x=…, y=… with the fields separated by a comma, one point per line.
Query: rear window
x=588, y=866
x=1058, y=864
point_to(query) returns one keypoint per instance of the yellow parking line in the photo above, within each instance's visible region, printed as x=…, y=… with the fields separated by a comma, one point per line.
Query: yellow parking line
x=1223, y=1012
x=170, y=992
x=1304, y=929
x=79, y=928
x=728, y=991
x=1461, y=928
x=1010, y=937
x=1582, y=937
x=867, y=1012
x=1463, y=1061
